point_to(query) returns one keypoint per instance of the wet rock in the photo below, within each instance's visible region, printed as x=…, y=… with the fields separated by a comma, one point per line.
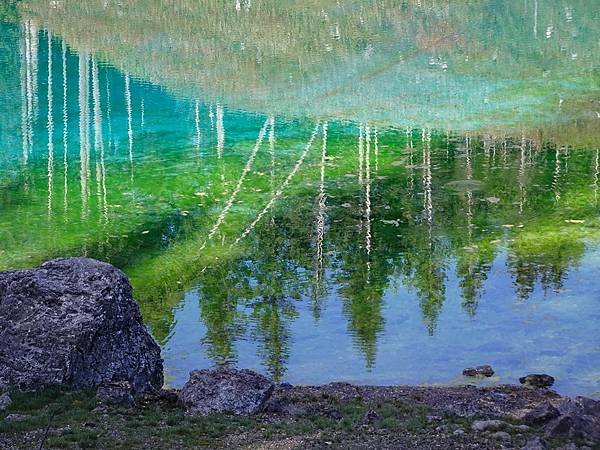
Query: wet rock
x=501, y=436
x=489, y=425
x=535, y=443
x=479, y=371
x=118, y=393
x=541, y=414
x=226, y=390
x=5, y=401
x=537, y=380
x=74, y=322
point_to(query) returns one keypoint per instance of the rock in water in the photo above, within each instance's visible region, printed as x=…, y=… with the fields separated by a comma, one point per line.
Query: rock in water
x=537, y=380
x=225, y=390
x=74, y=322
x=479, y=371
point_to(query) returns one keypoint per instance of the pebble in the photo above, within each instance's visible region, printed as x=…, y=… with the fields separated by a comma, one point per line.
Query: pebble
x=5, y=401
x=501, y=436
x=535, y=443
x=489, y=425
x=16, y=418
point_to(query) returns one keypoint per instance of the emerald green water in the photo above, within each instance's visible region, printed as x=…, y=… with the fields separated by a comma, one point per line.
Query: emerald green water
x=378, y=192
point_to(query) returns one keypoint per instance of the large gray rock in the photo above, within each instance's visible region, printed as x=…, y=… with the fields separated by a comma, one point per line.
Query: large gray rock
x=225, y=390
x=74, y=322
x=580, y=418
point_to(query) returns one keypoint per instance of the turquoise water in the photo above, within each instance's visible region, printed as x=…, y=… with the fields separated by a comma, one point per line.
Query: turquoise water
x=380, y=193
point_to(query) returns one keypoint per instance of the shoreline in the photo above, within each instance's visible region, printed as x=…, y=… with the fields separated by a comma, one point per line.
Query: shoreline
x=335, y=415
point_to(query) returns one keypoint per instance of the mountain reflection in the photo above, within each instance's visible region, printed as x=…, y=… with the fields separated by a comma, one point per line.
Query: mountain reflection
x=436, y=63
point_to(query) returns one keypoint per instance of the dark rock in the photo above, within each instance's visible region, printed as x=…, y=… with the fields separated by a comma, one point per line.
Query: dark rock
x=479, y=371
x=169, y=395
x=561, y=426
x=537, y=380
x=535, y=443
x=582, y=427
x=119, y=393
x=285, y=386
x=541, y=414
x=74, y=322
x=370, y=417
x=335, y=414
x=579, y=406
x=226, y=390
x=569, y=446
x=5, y=401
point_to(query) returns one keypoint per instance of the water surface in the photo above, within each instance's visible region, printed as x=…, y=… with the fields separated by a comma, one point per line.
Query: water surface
x=377, y=192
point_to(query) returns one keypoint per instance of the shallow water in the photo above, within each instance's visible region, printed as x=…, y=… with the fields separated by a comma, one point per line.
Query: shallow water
x=377, y=192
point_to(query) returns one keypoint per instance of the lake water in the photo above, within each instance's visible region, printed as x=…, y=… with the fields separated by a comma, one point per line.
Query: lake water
x=379, y=192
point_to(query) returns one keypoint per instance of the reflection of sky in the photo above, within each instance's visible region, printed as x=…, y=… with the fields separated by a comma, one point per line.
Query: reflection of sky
x=553, y=333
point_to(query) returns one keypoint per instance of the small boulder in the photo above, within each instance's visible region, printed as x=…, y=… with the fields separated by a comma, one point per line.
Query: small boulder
x=5, y=401
x=119, y=393
x=489, y=425
x=579, y=406
x=479, y=371
x=579, y=418
x=537, y=380
x=541, y=414
x=535, y=443
x=74, y=322
x=226, y=390
x=502, y=436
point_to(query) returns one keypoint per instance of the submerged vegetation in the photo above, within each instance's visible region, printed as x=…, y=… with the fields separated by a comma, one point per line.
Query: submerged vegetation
x=346, y=169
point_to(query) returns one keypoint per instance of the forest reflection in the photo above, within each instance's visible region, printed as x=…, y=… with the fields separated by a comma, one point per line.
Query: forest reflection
x=257, y=214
